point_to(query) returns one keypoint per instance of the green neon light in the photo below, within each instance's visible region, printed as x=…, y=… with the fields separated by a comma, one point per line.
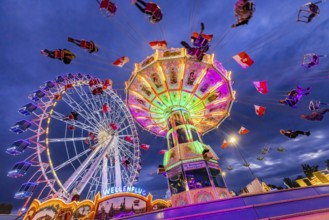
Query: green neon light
x=158, y=103
x=174, y=97
x=166, y=158
x=184, y=98
x=155, y=109
x=198, y=147
x=165, y=99
x=192, y=102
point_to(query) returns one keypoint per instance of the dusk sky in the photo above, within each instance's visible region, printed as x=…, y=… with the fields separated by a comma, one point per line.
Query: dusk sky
x=273, y=38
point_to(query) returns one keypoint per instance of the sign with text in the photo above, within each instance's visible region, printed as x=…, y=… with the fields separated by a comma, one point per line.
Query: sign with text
x=131, y=189
x=194, y=166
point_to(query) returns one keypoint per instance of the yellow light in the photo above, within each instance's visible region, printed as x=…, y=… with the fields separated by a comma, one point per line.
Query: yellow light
x=218, y=113
x=142, y=117
x=219, y=101
x=229, y=75
x=150, y=126
x=201, y=77
x=215, y=87
x=137, y=94
x=161, y=73
x=212, y=57
x=182, y=71
x=232, y=140
x=233, y=95
x=137, y=106
x=145, y=81
x=223, y=173
x=156, y=55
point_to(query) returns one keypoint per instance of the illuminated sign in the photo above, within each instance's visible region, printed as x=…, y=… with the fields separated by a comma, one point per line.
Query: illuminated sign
x=131, y=189
x=195, y=165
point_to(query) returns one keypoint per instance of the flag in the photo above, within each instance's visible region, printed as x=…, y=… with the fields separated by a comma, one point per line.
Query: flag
x=243, y=59
x=107, y=83
x=243, y=130
x=129, y=139
x=121, y=61
x=106, y=108
x=261, y=86
x=162, y=152
x=158, y=45
x=195, y=35
x=225, y=144
x=145, y=146
x=113, y=126
x=260, y=110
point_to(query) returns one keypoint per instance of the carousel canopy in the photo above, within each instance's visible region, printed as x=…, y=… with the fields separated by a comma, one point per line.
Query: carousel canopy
x=170, y=80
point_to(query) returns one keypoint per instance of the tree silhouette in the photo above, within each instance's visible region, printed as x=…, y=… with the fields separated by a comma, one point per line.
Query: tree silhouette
x=308, y=170
x=111, y=211
x=274, y=186
x=327, y=164
x=290, y=183
x=5, y=208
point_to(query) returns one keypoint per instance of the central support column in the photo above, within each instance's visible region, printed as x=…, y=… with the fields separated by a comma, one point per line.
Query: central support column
x=192, y=168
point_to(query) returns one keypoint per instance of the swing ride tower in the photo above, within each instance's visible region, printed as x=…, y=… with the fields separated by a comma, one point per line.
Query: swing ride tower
x=173, y=95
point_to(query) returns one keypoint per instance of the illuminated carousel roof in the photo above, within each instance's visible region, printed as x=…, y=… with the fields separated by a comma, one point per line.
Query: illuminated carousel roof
x=171, y=80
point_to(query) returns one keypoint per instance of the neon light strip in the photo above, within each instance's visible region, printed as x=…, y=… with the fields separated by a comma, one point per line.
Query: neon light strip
x=141, y=96
x=153, y=90
x=195, y=87
x=216, y=86
x=218, y=101
x=165, y=82
x=181, y=76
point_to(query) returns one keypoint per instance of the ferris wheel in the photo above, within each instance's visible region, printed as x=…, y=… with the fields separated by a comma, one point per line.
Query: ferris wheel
x=83, y=140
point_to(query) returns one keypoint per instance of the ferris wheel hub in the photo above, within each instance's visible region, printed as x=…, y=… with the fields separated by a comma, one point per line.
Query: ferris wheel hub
x=104, y=136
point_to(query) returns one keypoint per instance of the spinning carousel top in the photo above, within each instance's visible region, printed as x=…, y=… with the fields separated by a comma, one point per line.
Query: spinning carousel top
x=171, y=80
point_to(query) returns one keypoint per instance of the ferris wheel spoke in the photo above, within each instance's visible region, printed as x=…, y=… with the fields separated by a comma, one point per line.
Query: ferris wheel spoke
x=87, y=115
x=95, y=109
x=70, y=101
x=92, y=101
x=124, y=142
x=93, y=187
x=68, y=162
x=127, y=152
x=117, y=114
x=50, y=140
x=89, y=160
x=89, y=174
x=124, y=128
x=58, y=116
x=104, y=175
x=74, y=185
x=92, y=160
x=125, y=174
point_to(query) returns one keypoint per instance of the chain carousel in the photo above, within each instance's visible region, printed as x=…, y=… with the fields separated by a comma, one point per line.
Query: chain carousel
x=172, y=94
